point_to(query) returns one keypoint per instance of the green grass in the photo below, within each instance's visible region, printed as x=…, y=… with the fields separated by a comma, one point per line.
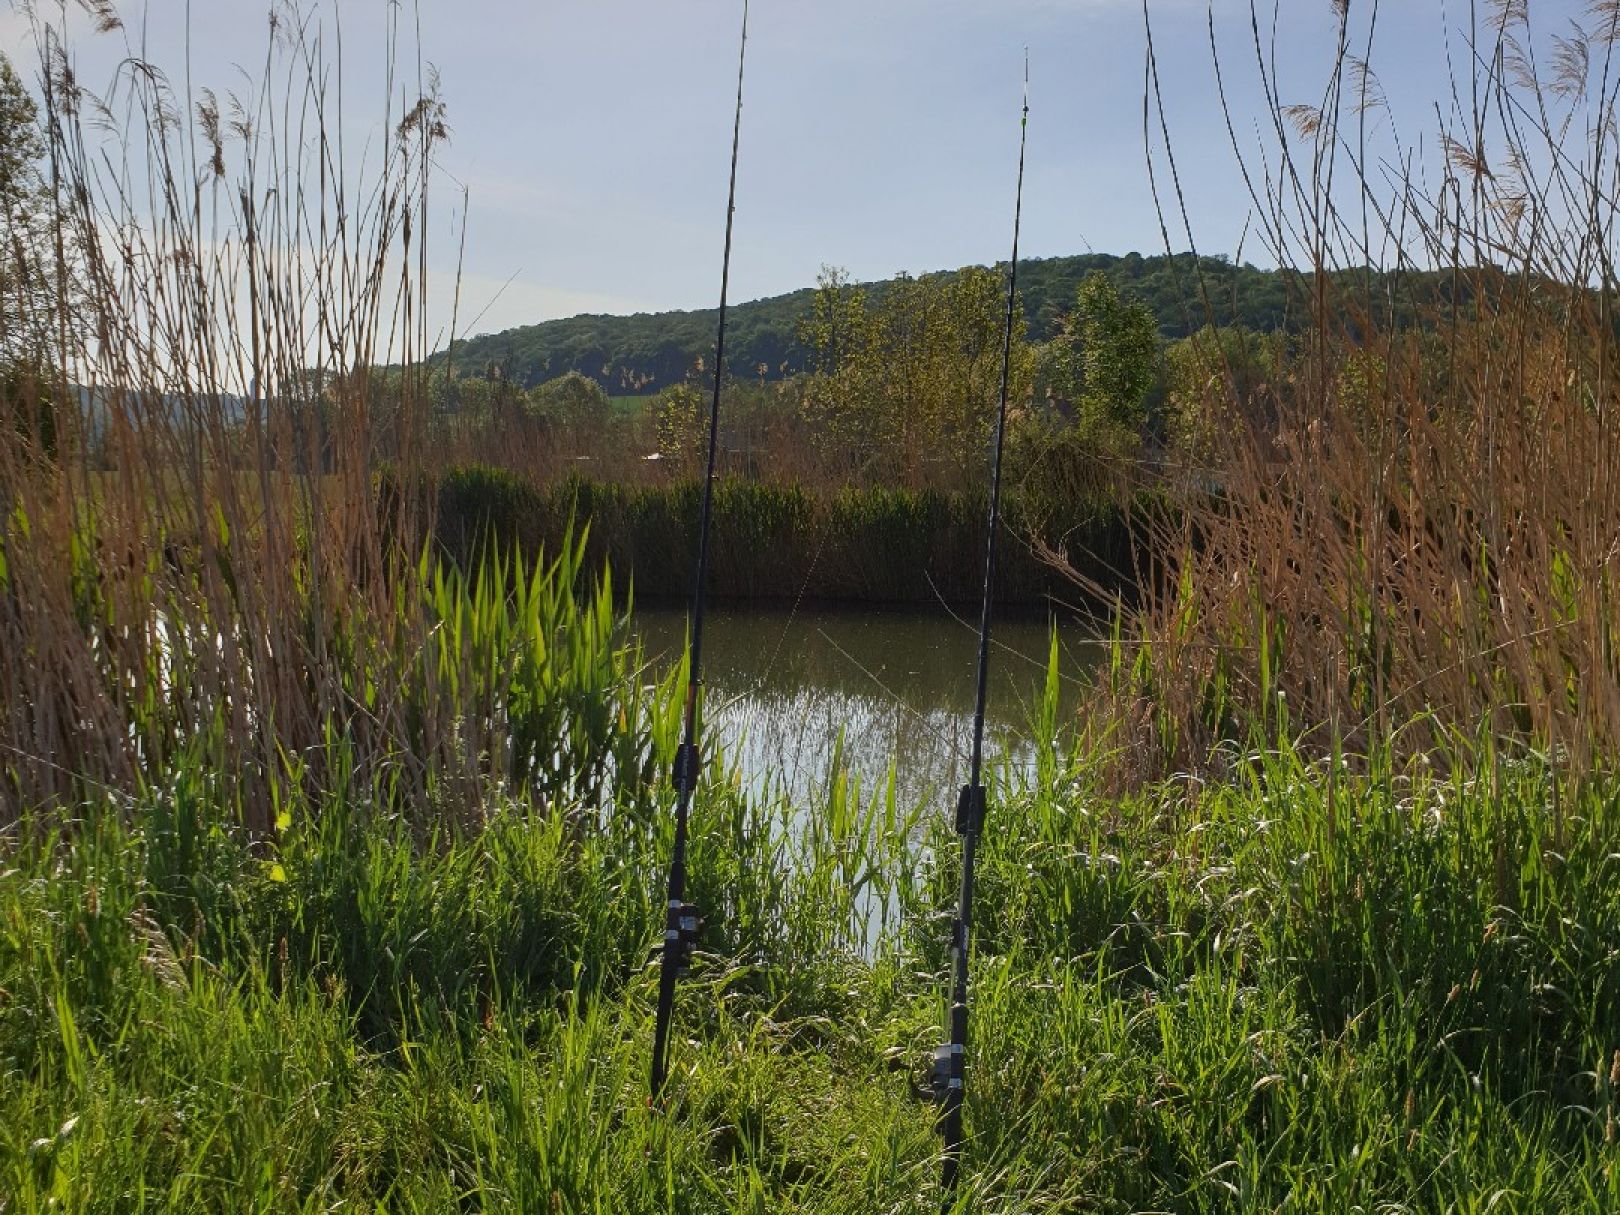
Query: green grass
x=1310, y=991
x=420, y=984
x=631, y=406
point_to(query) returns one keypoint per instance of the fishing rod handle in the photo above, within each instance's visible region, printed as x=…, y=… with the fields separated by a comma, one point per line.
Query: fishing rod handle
x=684, y=772
x=970, y=810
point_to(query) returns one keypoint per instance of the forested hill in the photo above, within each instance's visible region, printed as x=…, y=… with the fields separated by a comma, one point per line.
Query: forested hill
x=649, y=351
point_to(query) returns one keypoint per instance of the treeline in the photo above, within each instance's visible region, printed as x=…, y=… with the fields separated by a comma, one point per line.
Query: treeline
x=862, y=477
x=899, y=386
x=902, y=386
x=642, y=354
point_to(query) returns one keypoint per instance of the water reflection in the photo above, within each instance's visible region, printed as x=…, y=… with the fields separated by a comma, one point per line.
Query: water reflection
x=899, y=685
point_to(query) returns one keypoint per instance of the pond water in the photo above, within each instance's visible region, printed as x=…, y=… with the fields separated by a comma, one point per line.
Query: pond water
x=897, y=687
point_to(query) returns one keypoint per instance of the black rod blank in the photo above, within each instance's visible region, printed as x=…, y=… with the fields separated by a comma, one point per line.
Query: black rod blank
x=682, y=920
x=949, y=1079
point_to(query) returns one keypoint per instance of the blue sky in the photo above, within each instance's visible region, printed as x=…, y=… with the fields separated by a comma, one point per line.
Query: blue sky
x=878, y=135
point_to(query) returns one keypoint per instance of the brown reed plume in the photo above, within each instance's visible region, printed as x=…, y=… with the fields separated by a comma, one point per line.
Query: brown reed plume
x=191, y=541
x=1406, y=525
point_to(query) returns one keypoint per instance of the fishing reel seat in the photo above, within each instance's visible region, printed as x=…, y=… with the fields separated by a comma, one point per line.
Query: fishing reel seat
x=683, y=928
x=970, y=810
x=684, y=774
x=946, y=1075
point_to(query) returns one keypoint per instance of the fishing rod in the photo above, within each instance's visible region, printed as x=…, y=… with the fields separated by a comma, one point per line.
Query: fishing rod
x=948, y=1079
x=683, y=922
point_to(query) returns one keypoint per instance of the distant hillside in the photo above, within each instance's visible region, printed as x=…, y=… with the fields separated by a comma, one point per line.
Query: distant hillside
x=649, y=351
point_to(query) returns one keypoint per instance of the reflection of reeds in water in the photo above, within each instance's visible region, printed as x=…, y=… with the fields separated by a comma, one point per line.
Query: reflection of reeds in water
x=791, y=691
x=797, y=742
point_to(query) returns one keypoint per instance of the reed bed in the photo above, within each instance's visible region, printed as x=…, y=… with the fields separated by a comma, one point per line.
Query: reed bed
x=1396, y=532
x=789, y=542
x=195, y=561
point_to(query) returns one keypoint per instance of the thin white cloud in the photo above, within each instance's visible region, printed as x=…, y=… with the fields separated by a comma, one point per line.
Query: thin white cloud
x=490, y=304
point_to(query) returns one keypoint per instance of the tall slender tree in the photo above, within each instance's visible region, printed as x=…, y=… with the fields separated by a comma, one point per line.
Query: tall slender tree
x=30, y=302
x=25, y=304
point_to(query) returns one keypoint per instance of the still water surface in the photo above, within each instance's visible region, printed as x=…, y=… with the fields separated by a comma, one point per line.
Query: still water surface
x=898, y=686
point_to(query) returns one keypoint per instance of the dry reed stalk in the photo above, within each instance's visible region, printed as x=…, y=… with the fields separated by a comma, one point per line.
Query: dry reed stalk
x=182, y=565
x=1411, y=527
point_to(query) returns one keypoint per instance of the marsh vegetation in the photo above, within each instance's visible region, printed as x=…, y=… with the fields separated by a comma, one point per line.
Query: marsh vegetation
x=333, y=834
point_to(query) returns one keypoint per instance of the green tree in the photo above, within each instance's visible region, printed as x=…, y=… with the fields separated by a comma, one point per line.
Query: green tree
x=906, y=385
x=571, y=400
x=1118, y=356
x=28, y=312
x=1211, y=374
x=472, y=400
x=681, y=411
x=838, y=406
x=836, y=325
x=22, y=202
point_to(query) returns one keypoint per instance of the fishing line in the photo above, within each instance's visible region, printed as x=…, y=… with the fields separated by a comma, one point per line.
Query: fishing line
x=682, y=920
x=759, y=682
x=948, y=1078
x=921, y=717
x=1029, y=659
